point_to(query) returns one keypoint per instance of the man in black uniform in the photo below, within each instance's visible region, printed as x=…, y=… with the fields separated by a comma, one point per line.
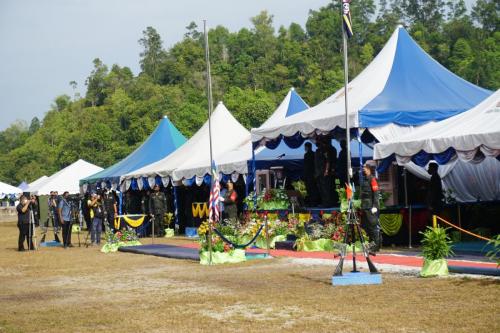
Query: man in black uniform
x=370, y=205
x=24, y=224
x=435, y=191
x=308, y=176
x=157, y=207
x=342, y=164
x=110, y=209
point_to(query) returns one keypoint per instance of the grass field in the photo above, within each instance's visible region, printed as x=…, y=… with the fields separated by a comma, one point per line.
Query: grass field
x=83, y=290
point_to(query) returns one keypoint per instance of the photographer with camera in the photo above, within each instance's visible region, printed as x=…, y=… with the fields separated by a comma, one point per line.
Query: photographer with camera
x=53, y=203
x=24, y=224
x=96, y=213
x=64, y=213
x=34, y=210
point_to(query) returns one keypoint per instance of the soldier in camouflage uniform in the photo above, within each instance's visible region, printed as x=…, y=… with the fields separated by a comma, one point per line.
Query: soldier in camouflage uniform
x=158, y=208
x=370, y=205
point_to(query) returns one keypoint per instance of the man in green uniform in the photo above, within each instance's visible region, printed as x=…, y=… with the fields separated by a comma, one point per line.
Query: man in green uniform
x=370, y=205
x=158, y=207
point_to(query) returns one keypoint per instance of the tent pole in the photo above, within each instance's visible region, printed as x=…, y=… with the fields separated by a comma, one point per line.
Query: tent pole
x=176, y=207
x=120, y=203
x=210, y=106
x=254, y=180
x=360, y=151
x=405, y=175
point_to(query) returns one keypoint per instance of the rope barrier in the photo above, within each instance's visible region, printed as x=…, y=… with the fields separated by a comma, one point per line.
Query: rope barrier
x=239, y=246
x=462, y=230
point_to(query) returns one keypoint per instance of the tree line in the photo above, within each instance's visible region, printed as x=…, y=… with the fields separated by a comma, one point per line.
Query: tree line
x=252, y=70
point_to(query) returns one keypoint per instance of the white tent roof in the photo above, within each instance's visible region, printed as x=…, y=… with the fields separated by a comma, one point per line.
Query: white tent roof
x=193, y=157
x=66, y=179
x=36, y=183
x=403, y=86
x=330, y=113
x=468, y=132
x=6, y=189
x=235, y=160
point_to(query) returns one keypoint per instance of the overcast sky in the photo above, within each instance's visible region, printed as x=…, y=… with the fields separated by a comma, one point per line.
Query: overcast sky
x=46, y=44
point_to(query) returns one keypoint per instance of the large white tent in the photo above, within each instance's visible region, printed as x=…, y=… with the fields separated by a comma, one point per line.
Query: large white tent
x=36, y=183
x=462, y=136
x=66, y=179
x=193, y=157
x=401, y=88
x=8, y=190
x=468, y=146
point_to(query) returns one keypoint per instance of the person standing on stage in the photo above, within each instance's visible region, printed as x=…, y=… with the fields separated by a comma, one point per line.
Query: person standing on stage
x=308, y=176
x=230, y=200
x=435, y=190
x=322, y=173
x=370, y=205
x=64, y=212
x=342, y=164
x=157, y=208
x=24, y=224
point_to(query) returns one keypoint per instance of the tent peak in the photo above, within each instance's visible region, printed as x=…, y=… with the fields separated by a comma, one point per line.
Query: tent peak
x=292, y=89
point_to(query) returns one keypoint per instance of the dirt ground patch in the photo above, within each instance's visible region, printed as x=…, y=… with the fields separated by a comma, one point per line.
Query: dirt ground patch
x=82, y=290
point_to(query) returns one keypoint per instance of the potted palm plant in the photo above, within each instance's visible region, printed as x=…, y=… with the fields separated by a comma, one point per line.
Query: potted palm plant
x=436, y=246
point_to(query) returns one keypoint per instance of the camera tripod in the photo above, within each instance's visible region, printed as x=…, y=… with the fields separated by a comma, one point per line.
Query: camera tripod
x=352, y=228
x=45, y=228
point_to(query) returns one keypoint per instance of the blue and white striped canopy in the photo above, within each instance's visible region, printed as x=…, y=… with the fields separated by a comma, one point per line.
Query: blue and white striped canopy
x=402, y=86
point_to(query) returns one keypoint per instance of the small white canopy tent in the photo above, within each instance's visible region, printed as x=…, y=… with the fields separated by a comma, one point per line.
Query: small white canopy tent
x=7, y=190
x=193, y=157
x=66, y=179
x=467, y=144
x=34, y=184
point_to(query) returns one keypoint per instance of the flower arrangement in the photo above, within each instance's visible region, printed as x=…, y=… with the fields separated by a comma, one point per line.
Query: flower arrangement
x=125, y=237
x=272, y=199
x=218, y=245
x=168, y=219
x=300, y=187
x=121, y=236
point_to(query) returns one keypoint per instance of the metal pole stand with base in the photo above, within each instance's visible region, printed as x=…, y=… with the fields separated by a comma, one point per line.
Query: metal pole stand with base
x=353, y=231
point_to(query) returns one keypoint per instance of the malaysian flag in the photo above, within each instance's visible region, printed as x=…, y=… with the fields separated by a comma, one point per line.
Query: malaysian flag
x=214, y=207
x=346, y=18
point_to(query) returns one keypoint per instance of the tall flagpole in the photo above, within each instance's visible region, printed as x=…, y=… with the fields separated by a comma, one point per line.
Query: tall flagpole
x=346, y=81
x=210, y=106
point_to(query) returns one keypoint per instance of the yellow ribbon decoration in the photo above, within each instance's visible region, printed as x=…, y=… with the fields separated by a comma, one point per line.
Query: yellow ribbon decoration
x=133, y=223
x=391, y=223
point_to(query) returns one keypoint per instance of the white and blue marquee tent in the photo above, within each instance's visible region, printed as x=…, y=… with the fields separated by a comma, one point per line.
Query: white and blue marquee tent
x=468, y=144
x=401, y=88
